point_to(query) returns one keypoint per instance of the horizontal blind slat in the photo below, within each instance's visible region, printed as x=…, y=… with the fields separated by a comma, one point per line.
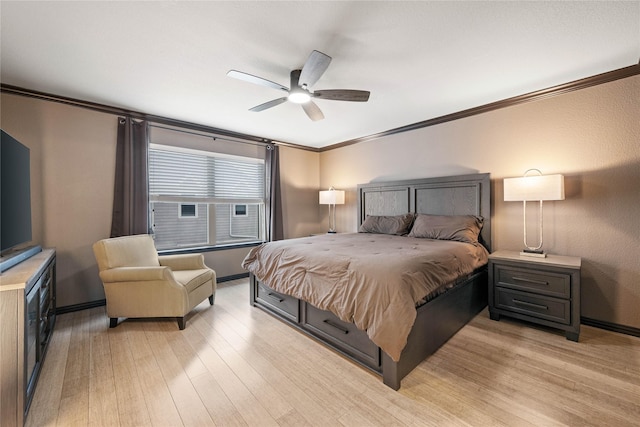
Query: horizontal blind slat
x=186, y=174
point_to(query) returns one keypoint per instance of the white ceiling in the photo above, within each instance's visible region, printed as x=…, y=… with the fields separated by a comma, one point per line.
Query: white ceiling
x=420, y=60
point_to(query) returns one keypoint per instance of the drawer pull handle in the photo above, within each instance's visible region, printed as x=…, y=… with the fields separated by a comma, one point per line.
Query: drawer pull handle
x=338, y=327
x=273, y=296
x=529, y=304
x=535, y=282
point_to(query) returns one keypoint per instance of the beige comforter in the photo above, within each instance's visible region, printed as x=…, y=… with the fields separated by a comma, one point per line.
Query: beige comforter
x=372, y=280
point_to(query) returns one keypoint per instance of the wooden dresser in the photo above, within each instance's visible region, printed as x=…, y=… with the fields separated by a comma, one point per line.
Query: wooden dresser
x=27, y=316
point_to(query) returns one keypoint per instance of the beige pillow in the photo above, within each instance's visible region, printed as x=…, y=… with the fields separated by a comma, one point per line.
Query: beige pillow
x=380, y=224
x=461, y=228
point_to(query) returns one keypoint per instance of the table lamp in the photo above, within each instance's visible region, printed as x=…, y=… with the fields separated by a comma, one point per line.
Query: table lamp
x=332, y=197
x=533, y=186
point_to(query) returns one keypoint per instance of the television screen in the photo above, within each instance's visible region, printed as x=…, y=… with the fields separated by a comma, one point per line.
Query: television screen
x=15, y=193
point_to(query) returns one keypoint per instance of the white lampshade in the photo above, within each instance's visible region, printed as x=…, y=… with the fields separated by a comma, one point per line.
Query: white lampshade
x=533, y=188
x=332, y=197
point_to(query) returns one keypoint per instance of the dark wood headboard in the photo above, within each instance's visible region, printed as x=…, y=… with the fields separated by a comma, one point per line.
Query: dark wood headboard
x=448, y=195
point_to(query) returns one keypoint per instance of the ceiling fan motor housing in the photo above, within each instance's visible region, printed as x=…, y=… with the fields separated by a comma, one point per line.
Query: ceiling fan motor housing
x=298, y=94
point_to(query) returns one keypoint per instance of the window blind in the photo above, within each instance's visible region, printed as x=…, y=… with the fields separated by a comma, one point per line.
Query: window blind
x=205, y=176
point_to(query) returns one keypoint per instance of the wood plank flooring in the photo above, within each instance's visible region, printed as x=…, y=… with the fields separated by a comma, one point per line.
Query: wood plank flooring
x=235, y=365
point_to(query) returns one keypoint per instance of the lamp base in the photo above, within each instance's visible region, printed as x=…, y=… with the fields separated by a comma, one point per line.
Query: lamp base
x=538, y=253
x=331, y=232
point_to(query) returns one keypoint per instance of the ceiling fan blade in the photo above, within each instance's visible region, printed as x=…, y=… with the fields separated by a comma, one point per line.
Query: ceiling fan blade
x=343, y=95
x=269, y=104
x=314, y=68
x=256, y=80
x=313, y=111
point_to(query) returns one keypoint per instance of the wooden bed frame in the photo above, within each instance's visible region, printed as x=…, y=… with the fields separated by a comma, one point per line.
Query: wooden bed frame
x=439, y=319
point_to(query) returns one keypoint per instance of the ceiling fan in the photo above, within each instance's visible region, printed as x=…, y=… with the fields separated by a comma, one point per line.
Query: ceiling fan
x=301, y=81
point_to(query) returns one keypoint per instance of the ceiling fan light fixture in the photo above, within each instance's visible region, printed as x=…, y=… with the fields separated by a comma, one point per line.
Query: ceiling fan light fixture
x=299, y=97
x=301, y=80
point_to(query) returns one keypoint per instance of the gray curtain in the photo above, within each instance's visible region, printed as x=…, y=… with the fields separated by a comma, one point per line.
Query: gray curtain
x=275, y=229
x=131, y=190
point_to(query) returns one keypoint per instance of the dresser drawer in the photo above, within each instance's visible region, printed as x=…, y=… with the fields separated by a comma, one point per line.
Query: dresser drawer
x=542, y=282
x=284, y=305
x=346, y=336
x=543, y=307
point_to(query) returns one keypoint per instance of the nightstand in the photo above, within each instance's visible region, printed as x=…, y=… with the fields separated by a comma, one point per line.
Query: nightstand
x=540, y=290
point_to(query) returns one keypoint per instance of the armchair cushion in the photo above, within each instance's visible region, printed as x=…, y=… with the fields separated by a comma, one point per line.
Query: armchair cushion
x=126, y=252
x=135, y=274
x=193, y=279
x=183, y=262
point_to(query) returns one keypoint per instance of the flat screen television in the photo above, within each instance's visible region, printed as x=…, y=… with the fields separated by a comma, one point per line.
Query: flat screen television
x=15, y=200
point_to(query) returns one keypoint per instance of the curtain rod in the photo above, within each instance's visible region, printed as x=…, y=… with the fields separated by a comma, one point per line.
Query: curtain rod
x=211, y=135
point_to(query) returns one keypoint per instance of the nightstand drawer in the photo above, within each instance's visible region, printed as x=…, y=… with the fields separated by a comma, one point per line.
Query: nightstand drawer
x=286, y=305
x=543, y=282
x=543, y=307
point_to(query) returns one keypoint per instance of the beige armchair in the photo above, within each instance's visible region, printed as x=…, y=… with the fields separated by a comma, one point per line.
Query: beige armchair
x=139, y=283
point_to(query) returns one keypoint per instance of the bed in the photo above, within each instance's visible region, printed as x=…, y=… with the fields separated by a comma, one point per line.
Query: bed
x=320, y=284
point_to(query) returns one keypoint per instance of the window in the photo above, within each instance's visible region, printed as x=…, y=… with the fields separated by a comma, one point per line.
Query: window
x=204, y=198
x=187, y=210
x=239, y=210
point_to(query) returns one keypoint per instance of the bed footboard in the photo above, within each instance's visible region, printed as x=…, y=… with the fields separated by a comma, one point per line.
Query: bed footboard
x=436, y=322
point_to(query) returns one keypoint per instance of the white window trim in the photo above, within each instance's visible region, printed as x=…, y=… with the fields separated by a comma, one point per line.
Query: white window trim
x=195, y=205
x=235, y=214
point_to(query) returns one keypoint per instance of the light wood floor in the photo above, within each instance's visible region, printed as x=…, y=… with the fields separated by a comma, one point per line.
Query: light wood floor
x=236, y=365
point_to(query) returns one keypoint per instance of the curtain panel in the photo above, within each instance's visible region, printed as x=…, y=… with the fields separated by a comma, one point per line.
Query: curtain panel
x=275, y=228
x=131, y=188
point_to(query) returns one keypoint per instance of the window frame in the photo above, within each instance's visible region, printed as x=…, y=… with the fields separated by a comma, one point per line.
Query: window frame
x=234, y=211
x=181, y=212
x=213, y=243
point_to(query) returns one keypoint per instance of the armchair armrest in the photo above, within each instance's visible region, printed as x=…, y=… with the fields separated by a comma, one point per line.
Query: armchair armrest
x=136, y=274
x=183, y=262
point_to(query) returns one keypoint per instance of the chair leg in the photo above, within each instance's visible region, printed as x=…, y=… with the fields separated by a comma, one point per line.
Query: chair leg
x=181, y=322
x=113, y=322
x=212, y=298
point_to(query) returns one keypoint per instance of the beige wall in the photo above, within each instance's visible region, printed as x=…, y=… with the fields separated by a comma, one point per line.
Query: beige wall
x=299, y=182
x=592, y=136
x=72, y=171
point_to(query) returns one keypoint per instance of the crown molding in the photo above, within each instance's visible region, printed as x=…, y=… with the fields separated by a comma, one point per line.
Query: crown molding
x=587, y=82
